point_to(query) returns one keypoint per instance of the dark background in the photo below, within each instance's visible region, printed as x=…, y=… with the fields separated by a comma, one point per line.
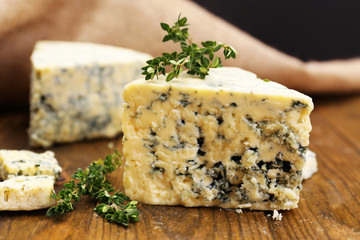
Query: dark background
x=308, y=29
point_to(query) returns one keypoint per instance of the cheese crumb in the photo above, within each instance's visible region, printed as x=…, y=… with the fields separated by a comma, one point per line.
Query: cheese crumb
x=110, y=145
x=276, y=216
x=238, y=210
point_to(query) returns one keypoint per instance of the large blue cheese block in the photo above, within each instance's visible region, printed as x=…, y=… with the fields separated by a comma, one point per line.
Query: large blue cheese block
x=231, y=140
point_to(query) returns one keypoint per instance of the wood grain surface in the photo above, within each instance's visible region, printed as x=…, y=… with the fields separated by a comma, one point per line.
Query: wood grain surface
x=329, y=206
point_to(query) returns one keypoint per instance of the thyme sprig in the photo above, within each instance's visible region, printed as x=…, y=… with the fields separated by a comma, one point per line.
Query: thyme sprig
x=93, y=183
x=198, y=60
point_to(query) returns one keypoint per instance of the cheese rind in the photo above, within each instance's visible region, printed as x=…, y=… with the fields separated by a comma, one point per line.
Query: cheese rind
x=229, y=140
x=26, y=163
x=26, y=193
x=76, y=90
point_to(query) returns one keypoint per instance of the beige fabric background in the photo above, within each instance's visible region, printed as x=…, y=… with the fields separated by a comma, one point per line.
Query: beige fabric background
x=136, y=24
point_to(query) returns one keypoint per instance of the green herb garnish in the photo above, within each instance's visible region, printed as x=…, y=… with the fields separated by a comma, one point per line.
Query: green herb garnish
x=92, y=182
x=198, y=60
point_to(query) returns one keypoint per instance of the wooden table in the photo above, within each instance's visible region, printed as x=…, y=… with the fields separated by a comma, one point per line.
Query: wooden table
x=329, y=207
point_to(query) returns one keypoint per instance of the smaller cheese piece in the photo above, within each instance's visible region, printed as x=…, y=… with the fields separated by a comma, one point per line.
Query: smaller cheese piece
x=276, y=215
x=26, y=193
x=27, y=163
x=310, y=166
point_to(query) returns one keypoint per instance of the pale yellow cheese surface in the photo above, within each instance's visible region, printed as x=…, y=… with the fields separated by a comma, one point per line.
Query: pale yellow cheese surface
x=26, y=193
x=228, y=140
x=23, y=162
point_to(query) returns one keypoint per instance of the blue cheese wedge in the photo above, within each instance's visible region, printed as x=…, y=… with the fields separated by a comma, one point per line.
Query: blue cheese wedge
x=26, y=163
x=76, y=90
x=231, y=140
x=26, y=193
